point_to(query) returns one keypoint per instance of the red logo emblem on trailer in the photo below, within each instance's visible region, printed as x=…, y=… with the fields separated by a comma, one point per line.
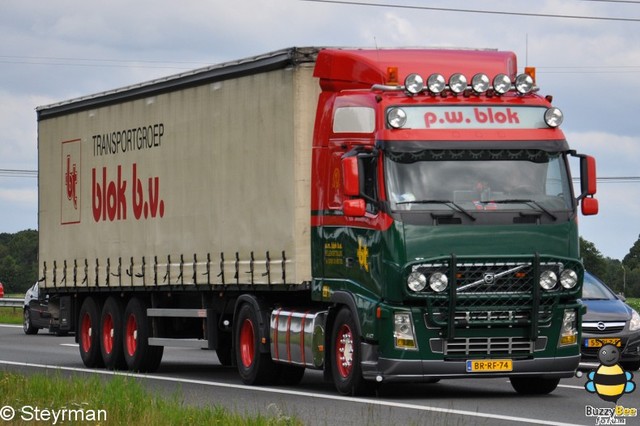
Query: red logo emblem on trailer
x=70, y=199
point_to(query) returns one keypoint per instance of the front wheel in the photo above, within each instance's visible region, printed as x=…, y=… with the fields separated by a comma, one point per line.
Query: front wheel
x=533, y=385
x=346, y=367
x=27, y=325
x=254, y=367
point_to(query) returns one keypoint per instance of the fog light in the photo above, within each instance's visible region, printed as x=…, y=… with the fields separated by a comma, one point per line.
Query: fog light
x=524, y=84
x=414, y=84
x=416, y=281
x=569, y=331
x=568, y=279
x=548, y=280
x=501, y=84
x=438, y=282
x=480, y=83
x=397, y=118
x=458, y=83
x=553, y=117
x=436, y=83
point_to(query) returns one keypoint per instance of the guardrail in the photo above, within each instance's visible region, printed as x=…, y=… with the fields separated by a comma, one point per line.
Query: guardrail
x=11, y=303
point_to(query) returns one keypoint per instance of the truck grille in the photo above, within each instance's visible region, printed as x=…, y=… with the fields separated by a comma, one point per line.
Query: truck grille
x=485, y=346
x=494, y=293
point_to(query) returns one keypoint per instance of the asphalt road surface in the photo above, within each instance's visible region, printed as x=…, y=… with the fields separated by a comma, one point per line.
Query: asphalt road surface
x=201, y=380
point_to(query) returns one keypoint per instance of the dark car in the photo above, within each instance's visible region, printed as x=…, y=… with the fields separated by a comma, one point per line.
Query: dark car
x=35, y=311
x=609, y=321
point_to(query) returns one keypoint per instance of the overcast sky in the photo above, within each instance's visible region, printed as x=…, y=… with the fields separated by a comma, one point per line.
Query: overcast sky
x=60, y=49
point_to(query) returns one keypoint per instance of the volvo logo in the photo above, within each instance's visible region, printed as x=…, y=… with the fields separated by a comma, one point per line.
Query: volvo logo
x=489, y=278
x=602, y=326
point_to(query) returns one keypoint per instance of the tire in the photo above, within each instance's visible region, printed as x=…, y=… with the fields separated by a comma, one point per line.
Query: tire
x=346, y=367
x=533, y=385
x=254, y=367
x=27, y=325
x=112, y=334
x=138, y=354
x=88, y=333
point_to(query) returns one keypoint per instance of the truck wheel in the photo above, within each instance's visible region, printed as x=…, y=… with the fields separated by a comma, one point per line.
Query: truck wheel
x=254, y=367
x=111, y=334
x=27, y=326
x=89, y=334
x=345, y=356
x=533, y=385
x=138, y=354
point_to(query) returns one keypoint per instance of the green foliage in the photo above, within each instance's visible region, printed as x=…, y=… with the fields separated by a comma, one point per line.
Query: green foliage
x=123, y=400
x=18, y=260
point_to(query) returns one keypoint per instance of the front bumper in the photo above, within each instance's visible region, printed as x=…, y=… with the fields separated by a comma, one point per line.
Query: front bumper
x=399, y=370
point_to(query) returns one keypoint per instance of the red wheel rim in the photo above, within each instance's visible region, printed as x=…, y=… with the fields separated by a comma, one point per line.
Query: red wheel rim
x=85, y=333
x=344, y=351
x=131, y=337
x=107, y=334
x=247, y=348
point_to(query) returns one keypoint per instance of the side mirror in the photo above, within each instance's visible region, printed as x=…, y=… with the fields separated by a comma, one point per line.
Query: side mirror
x=351, y=176
x=589, y=206
x=354, y=208
x=588, y=175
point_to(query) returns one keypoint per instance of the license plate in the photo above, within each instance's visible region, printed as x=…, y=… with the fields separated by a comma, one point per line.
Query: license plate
x=597, y=343
x=489, y=365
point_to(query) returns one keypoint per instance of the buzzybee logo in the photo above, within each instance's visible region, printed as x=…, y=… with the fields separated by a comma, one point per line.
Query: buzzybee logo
x=610, y=381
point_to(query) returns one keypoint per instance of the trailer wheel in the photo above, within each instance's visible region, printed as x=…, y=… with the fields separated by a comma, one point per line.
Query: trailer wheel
x=89, y=334
x=345, y=356
x=27, y=325
x=111, y=334
x=533, y=385
x=254, y=367
x=138, y=354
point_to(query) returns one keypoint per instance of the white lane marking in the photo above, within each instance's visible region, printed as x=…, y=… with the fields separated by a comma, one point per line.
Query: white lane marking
x=72, y=345
x=10, y=326
x=297, y=393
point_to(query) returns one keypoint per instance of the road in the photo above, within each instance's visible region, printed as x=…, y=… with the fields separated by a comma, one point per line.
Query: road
x=203, y=381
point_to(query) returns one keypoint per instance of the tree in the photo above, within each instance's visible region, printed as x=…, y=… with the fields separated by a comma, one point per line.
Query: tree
x=592, y=259
x=632, y=260
x=18, y=260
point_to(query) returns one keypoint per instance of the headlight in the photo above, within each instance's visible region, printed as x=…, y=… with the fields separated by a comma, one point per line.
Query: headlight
x=438, y=282
x=436, y=83
x=403, y=333
x=524, y=84
x=457, y=83
x=396, y=117
x=548, y=280
x=553, y=117
x=634, y=324
x=569, y=331
x=414, y=84
x=416, y=281
x=568, y=279
x=480, y=83
x=501, y=84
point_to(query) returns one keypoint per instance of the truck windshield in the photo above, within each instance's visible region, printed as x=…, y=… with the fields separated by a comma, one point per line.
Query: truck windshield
x=478, y=180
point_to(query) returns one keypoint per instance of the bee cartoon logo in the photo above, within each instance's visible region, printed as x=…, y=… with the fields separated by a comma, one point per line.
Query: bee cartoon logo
x=609, y=381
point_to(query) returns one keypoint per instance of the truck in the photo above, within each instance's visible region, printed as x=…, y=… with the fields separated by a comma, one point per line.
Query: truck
x=381, y=215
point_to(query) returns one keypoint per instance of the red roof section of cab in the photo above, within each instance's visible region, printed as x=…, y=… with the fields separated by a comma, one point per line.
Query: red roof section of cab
x=340, y=69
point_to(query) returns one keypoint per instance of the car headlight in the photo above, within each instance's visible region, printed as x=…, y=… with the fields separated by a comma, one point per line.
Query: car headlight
x=634, y=324
x=416, y=281
x=548, y=279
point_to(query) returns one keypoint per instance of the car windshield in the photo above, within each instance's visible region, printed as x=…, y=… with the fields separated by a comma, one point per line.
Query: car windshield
x=478, y=180
x=594, y=289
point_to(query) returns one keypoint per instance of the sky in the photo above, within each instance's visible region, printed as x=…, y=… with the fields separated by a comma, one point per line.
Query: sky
x=56, y=50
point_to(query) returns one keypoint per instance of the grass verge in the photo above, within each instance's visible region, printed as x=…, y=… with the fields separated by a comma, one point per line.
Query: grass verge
x=117, y=401
x=10, y=315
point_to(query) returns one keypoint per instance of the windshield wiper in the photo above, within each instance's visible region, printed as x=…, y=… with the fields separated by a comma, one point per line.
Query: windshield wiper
x=448, y=203
x=523, y=201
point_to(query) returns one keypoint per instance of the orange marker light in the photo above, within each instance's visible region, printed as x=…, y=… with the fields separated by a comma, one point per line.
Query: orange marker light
x=392, y=75
x=531, y=71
